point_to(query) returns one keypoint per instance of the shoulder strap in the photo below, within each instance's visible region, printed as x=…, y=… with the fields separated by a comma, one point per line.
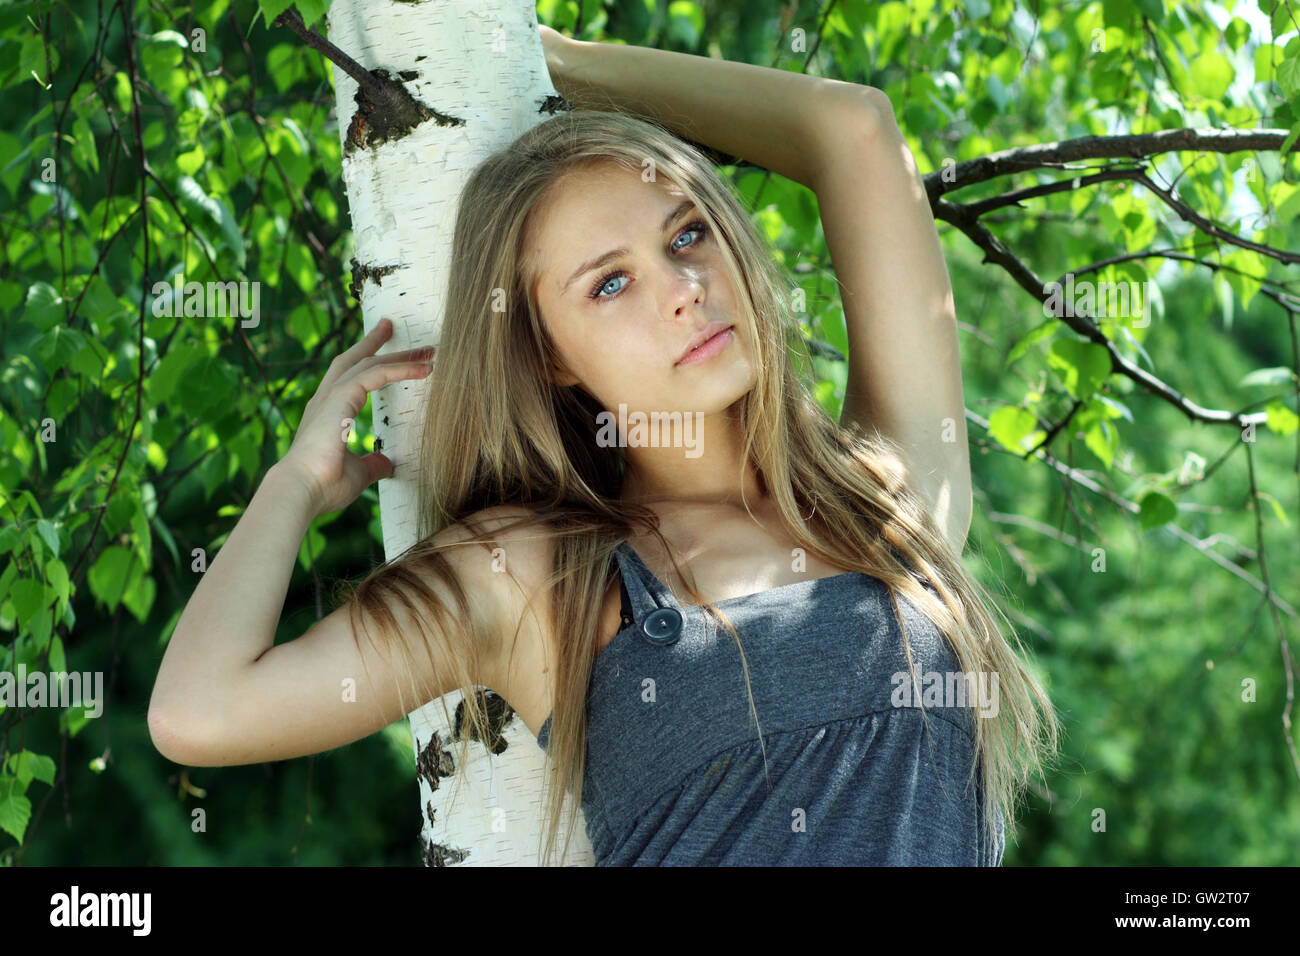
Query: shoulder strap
x=628, y=617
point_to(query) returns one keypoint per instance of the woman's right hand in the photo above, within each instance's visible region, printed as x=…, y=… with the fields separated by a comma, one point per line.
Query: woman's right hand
x=319, y=457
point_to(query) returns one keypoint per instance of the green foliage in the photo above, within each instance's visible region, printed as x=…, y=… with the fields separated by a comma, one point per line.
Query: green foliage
x=136, y=428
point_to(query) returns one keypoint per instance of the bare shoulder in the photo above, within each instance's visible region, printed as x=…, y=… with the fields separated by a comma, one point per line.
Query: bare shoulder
x=519, y=553
x=508, y=576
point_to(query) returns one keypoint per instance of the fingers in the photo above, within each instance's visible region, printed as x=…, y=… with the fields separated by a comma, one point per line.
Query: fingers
x=373, y=377
x=411, y=355
x=368, y=345
x=377, y=466
x=365, y=351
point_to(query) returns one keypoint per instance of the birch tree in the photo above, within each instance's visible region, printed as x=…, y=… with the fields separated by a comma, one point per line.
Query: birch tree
x=445, y=85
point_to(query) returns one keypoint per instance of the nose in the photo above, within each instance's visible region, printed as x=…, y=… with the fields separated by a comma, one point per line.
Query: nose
x=686, y=291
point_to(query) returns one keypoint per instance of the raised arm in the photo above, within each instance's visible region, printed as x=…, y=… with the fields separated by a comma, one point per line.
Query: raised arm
x=782, y=121
x=904, y=376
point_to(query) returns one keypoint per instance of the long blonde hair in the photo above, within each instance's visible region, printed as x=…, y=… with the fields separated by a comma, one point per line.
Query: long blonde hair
x=499, y=431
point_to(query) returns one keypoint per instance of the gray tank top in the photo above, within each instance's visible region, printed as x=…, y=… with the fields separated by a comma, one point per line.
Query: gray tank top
x=675, y=772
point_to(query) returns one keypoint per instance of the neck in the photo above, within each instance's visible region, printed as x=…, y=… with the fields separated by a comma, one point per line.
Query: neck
x=716, y=475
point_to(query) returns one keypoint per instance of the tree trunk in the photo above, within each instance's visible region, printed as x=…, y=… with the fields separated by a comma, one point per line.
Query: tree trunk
x=479, y=75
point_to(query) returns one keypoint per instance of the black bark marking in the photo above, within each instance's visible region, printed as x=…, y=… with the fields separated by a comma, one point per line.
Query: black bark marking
x=439, y=854
x=434, y=762
x=385, y=110
x=361, y=273
x=436, y=854
x=554, y=104
x=499, y=714
x=388, y=112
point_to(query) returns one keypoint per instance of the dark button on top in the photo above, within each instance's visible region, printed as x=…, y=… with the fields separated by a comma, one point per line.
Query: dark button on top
x=662, y=626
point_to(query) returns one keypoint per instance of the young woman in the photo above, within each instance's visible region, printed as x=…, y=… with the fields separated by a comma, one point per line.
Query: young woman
x=736, y=646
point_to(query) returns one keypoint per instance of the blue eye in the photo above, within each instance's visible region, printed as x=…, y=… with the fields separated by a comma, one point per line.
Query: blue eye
x=608, y=277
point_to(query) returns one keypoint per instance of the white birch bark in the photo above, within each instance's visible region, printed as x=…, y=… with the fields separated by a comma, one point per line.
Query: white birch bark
x=480, y=61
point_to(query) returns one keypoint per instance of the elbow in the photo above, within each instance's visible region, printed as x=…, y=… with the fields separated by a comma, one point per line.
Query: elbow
x=854, y=122
x=879, y=107
x=160, y=734
x=172, y=745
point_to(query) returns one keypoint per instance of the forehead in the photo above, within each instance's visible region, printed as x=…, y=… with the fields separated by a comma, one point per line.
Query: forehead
x=584, y=206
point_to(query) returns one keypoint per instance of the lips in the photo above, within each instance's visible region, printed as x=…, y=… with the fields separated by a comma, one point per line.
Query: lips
x=713, y=330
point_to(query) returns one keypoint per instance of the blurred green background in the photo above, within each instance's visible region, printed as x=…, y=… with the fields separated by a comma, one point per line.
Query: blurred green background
x=1148, y=661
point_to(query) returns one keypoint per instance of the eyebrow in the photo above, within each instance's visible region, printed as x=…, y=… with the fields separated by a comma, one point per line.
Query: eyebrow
x=599, y=261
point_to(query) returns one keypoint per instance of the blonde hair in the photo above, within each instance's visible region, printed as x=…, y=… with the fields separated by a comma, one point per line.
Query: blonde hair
x=530, y=443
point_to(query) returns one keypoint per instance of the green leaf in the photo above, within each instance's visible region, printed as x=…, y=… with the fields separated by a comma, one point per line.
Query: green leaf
x=1211, y=75
x=10, y=538
x=44, y=306
x=108, y=575
x=685, y=23
x=1275, y=375
x=1009, y=425
x=1156, y=509
x=1036, y=334
x=997, y=92
x=1288, y=76
x=855, y=13
x=1281, y=419
x=1103, y=441
x=300, y=265
x=1245, y=285
x=49, y=534
x=27, y=766
x=1280, y=14
x=1266, y=59
x=161, y=383
x=192, y=161
x=209, y=384
x=28, y=596
x=1083, y=366
x=284, y=63
x=57, y=348
x=161, y=54
x=220, y=213
x=273, y=8
x=1290, y=139
x=312, y=10
x=84, y=149
x=1112, y=408
x=140, y=593
x=58, y=657
x=15, y=809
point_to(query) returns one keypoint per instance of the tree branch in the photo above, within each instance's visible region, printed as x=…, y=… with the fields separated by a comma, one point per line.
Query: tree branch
x=1133, y=146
